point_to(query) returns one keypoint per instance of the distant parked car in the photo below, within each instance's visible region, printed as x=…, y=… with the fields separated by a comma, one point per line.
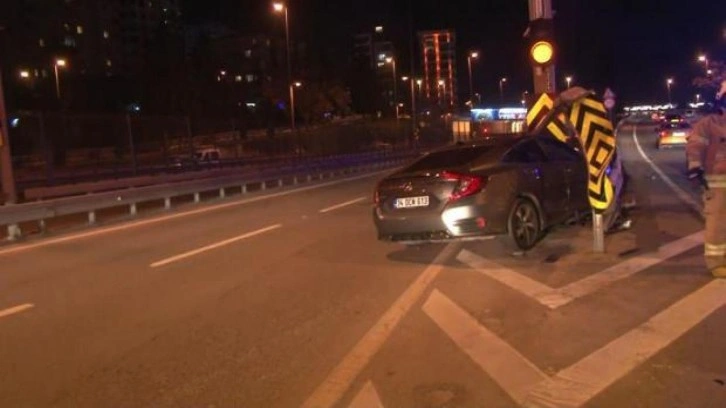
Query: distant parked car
x=512, y=188
x=201, y=158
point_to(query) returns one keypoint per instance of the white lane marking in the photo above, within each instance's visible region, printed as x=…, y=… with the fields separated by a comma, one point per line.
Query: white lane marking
x=507, y=367
x=16, y=309
x=213, y=246
x=507, y=276
x=367, y=398
x=343, y=375
x=577, y=384
x=341, y=205
x=557, y=297
x=681, y=193
x=125, y=226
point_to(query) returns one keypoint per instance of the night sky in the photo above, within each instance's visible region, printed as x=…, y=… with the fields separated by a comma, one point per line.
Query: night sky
x=631, y=46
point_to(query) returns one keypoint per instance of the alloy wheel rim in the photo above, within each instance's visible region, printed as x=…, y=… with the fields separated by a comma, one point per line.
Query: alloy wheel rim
x=525, y=230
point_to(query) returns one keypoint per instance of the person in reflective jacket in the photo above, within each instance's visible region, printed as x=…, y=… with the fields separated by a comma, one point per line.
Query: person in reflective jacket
x=706, y=153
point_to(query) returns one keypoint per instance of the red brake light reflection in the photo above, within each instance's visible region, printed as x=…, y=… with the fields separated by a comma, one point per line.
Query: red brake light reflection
x=467, y=184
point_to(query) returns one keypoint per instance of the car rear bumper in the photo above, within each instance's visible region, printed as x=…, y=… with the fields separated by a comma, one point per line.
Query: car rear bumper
x=672, y=141
x=453, y=224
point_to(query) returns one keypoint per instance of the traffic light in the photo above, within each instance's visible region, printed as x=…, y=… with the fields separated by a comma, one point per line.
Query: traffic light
x=541, y=44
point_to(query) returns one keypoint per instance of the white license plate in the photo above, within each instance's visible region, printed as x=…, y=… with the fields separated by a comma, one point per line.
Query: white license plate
x=680, y=134
x=412, y=202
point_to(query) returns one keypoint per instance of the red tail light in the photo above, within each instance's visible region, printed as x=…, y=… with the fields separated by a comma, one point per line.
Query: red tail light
x=663, y=134
x=467, y=184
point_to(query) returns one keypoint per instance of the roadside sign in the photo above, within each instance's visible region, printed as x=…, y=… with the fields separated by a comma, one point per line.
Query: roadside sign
x=609, y=99
x=597, y=136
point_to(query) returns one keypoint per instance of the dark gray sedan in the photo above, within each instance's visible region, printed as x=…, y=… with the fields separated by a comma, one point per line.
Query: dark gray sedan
x=515, y=188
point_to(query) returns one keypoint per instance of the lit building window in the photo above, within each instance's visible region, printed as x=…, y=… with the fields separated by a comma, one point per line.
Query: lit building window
x=41, y=42
x=79, y=29
x=105, y=34
x=248, y=53
x=250, y=78
x=238, y=78
x=69, y=41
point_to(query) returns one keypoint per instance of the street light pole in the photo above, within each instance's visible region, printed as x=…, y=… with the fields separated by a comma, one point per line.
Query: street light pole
x=294, y=85
x=413, y=101
x=58, y=63
x=669, y=82
x=282, y=8
x=501, y=89
x=472, y=55
x=569, y=81
x=6, y=160
x=392, y=61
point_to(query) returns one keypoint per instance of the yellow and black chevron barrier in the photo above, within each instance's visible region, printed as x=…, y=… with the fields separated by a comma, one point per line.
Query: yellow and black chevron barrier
x=595, y=132
x=539, y=111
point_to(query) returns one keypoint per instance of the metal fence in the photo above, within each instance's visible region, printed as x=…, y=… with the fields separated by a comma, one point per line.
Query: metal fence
x=51, y=148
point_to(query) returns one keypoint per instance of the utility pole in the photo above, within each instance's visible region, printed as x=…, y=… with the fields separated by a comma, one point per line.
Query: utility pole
x=544, y=77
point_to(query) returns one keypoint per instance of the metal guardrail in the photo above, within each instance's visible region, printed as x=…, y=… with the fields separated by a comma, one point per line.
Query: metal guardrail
x=208, y=170
x=12, y=215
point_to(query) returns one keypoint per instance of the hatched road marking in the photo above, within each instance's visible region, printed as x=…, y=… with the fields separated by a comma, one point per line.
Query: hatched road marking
x=557, y=297
x=367, y=398
x=577, y=384
x=343, y=375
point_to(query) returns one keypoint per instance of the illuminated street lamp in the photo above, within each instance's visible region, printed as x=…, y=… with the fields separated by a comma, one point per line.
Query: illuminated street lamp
x=24, y=74
x=293, y=85
x=472, y=55
x=59, y=63
x=282, y=8
x=413, y=100
x=669, y=83
x=568, y=79
x=442, y=90
x=392, y=61
x=501, y=89
x=698, y=98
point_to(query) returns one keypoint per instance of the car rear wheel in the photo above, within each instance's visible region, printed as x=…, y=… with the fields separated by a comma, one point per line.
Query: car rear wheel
x=524, y=227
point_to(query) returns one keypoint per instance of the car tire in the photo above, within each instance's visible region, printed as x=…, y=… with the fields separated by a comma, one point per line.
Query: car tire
x=524, y=228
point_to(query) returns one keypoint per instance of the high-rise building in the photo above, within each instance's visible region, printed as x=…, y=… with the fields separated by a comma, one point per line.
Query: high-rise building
x=97, y=37
x=438, y=48
x=372, y=75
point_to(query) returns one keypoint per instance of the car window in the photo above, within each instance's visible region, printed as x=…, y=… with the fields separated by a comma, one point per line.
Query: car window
x=525, y=152
x=449, y=158
x=681, y=125
x=558, y=151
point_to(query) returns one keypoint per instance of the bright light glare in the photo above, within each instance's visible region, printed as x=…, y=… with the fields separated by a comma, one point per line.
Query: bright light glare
x=24, y=74
x=60, y=62
x=278, y=7
x=542, y=52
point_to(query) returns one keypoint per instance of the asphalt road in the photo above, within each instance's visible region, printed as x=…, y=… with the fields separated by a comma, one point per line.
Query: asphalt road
x=288, y=300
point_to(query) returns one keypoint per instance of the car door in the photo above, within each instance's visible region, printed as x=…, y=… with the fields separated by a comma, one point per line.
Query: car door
x=539, y=177
x=573, y=173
